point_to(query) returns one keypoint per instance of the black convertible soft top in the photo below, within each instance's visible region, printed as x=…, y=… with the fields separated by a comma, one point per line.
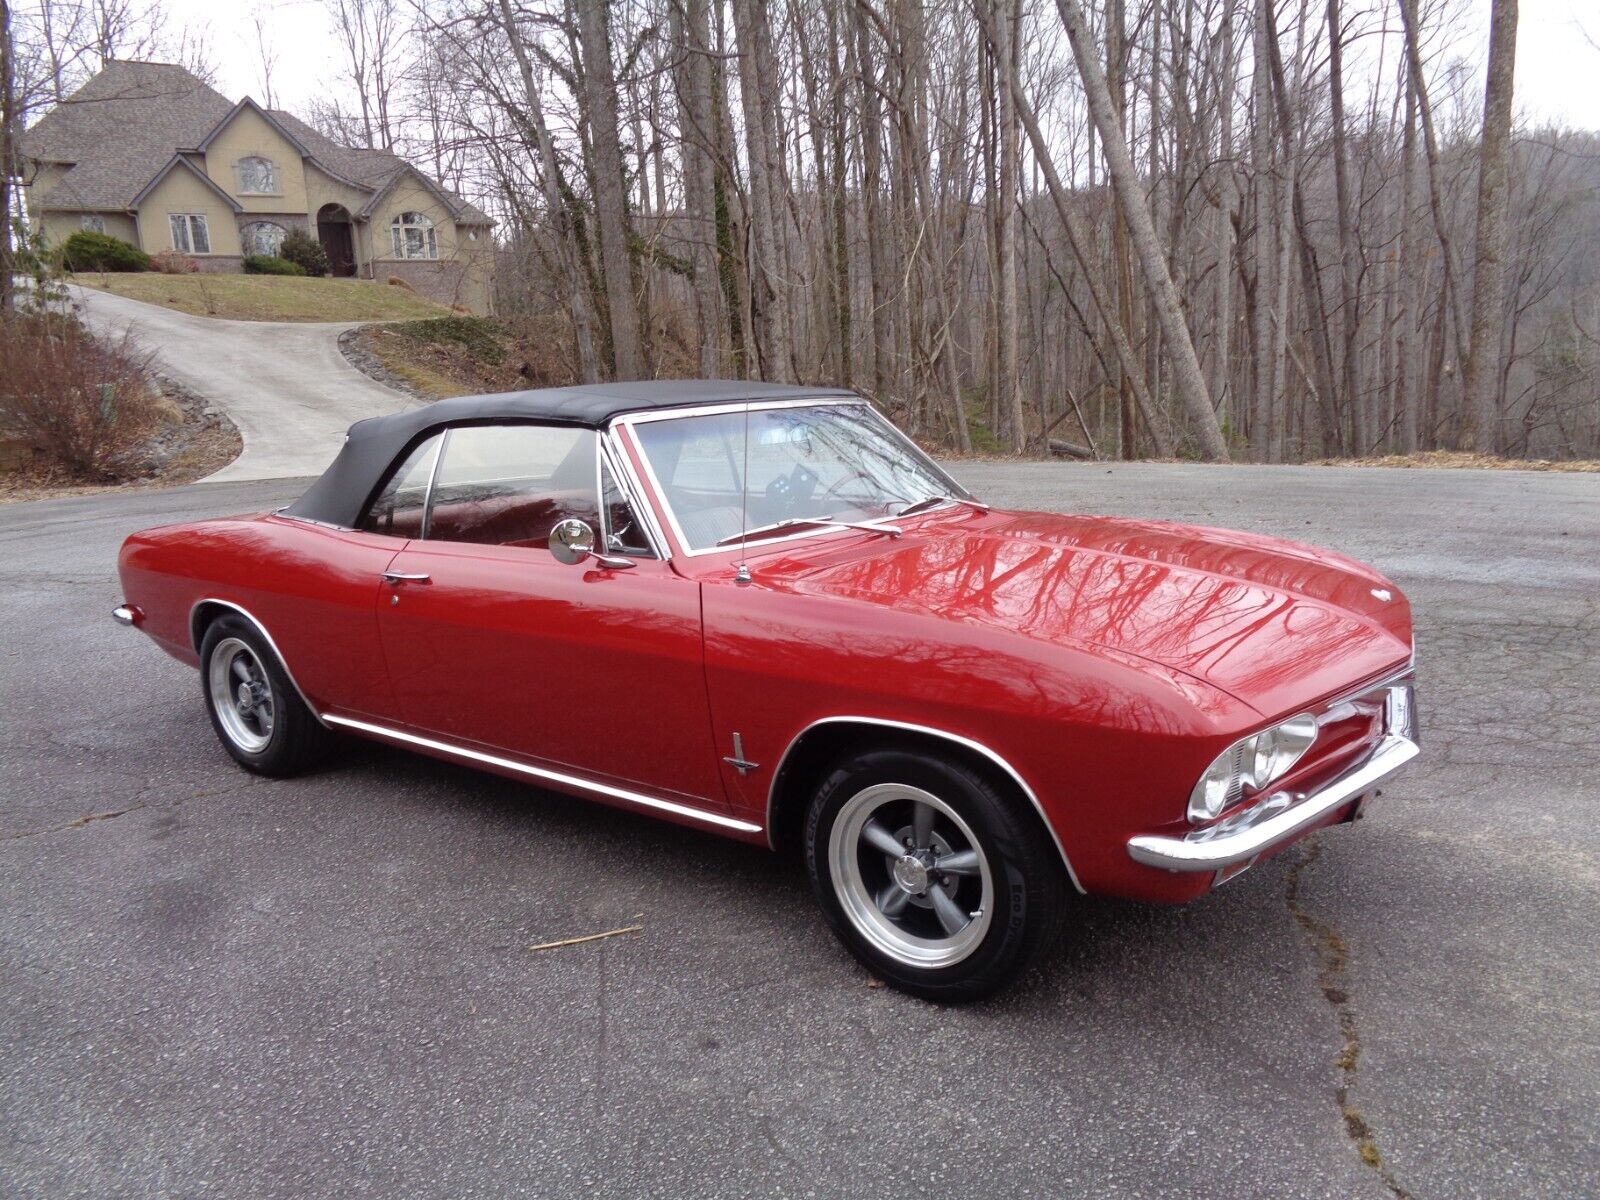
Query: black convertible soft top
x=372, y=446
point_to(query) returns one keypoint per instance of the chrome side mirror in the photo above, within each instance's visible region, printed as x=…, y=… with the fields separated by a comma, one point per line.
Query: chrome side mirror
x=572, y=542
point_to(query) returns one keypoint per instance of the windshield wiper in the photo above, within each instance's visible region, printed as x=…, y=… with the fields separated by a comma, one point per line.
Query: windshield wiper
x=812, y=522
x=934, y=501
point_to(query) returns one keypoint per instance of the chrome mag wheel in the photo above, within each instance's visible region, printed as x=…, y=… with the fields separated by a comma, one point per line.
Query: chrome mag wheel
x=911, y=875
x=241, y=695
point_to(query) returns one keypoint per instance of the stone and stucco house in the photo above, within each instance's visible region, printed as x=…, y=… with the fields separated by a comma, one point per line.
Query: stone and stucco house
x=149, y=153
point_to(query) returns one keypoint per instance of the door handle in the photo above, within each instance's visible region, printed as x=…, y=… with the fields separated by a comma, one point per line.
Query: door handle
x=399, y=577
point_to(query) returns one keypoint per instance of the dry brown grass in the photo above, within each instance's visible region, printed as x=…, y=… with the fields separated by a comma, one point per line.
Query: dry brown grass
x=1460, y=459
x=268, y=297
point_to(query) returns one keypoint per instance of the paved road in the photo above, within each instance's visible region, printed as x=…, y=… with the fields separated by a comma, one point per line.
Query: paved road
x=285, y=385
x=322, y=987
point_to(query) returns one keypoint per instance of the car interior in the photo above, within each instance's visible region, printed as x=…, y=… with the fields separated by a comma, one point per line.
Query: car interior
x=507, y=485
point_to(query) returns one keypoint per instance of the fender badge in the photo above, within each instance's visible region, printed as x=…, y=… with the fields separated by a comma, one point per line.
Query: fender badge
x=1383, y=594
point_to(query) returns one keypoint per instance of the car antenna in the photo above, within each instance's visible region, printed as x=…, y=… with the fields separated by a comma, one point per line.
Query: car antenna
x=741, y=573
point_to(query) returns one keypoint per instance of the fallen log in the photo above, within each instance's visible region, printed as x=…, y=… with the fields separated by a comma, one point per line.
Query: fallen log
x=1069, y=449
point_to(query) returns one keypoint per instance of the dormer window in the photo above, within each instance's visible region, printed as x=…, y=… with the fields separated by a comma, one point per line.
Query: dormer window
x=257, y=176
x=413, y=236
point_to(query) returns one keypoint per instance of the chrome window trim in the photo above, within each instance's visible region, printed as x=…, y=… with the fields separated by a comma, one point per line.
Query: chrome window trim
x=717, y=410
x=606, y=456
x=265, y=633
x=628, y=420
x=942, y=734
x=541, y=773
x=433, y=477
x=289, y=516
x=645, y=502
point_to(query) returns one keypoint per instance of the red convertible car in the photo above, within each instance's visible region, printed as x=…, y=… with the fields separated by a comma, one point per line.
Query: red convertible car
x=762, y=611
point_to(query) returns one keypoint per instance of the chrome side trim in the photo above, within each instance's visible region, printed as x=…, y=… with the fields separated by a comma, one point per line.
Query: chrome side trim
x=954, y=739
x=251, y=617
x=558, y=777
x=1280, y=818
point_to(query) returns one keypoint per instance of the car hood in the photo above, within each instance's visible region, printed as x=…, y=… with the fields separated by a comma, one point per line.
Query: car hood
x=1274, y=624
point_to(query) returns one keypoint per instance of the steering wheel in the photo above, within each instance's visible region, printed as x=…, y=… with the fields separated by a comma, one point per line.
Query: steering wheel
x=838, y=485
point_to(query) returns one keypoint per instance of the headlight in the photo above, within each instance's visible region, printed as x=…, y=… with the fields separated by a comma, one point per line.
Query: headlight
x=1252, y=762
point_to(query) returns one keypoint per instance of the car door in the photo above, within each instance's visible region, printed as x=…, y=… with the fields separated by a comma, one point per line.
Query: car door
x=490, y=640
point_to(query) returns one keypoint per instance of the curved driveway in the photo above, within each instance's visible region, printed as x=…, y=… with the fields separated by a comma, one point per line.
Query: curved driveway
x=284, y=384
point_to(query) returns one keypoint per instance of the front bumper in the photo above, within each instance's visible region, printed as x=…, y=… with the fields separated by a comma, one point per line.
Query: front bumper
x=1283, y=816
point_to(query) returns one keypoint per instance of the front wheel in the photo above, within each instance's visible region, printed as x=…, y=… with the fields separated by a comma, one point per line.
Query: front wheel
x=937, y=878
x=255, y=709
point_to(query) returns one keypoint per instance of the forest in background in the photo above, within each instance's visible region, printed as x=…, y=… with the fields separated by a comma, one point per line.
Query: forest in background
x=1258, y=229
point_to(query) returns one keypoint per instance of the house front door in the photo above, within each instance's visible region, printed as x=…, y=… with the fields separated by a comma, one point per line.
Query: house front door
x=336, y=240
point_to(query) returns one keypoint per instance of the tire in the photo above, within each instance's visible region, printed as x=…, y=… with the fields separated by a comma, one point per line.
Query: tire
x=948, y=936
x=256, y=711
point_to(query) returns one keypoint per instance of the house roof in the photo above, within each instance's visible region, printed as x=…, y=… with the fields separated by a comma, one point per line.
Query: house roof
x=373, y=445
x=122, y=130
x=180, y=161
x=119, y=130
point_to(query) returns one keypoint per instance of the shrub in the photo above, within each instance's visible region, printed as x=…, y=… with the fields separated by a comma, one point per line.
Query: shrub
x=300, y=248
x=396, y=281
x=267, y=264
x=86, y=251
x=173, y=262
x=476, y=335
x=87, y=405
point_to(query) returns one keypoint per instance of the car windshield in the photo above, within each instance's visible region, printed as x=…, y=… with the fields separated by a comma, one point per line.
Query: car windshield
x=808, y=464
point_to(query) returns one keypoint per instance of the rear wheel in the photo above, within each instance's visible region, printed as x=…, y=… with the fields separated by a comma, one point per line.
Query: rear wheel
x=256, y=711
x=933, y=875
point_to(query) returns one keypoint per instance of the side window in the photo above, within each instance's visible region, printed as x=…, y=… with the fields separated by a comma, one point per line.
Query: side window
x=398, y=509
x=509, y=485
x=624, y=533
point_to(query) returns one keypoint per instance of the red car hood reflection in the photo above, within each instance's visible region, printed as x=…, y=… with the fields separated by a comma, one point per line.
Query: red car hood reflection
x=1273, y=623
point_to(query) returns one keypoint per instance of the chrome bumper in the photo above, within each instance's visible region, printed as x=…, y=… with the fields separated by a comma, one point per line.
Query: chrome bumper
x=1281, y=816
x=124, y=614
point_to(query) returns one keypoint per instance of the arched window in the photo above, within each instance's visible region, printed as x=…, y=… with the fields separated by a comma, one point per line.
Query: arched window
x=414, y=237
x=258, y=176
x=262, y=237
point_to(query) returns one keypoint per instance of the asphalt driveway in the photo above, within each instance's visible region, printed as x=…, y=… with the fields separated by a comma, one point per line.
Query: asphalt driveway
x=216, y=985
x=284, y=384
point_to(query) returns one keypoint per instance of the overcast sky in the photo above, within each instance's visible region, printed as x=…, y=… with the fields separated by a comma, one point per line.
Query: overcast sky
x=1558, y=61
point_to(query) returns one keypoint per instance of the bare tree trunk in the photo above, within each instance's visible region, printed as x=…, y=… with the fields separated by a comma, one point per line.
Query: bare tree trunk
x=1406, y=399
x=878, y=244
x=8, y=160
x=1481, y=407
x=1349, y=245
x=769, y=287
x=697, y=135
x=1264, y=333
x=611, y=196
x=1008, y=391
x=1222, y=282
x=1430, y=146
x=1325, y=389
x=577, y=288
x=1121, y=259
x=1190, y=382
